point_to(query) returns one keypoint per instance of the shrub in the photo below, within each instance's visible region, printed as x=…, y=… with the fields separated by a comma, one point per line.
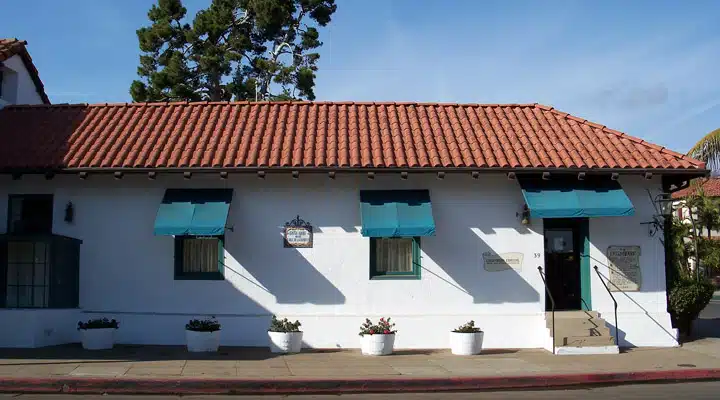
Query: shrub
x=98, y=323
x=687, y=299
x=203, y=325
x=283, y=325
x=383, y=327
x=467, y=328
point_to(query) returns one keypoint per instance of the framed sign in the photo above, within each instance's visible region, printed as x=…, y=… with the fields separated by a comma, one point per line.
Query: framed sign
x=624, y=265
x=298, y=234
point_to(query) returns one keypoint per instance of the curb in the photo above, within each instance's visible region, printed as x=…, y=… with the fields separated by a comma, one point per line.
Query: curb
x=341, y=386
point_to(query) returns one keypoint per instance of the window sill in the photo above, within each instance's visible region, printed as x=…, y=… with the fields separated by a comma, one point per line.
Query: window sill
x=395, y=278
x=201, y=277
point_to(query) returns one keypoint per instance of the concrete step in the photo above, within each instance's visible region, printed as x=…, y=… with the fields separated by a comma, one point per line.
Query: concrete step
x=585, y=341
x=563, y=331
x=572, y=314
x=577, y=323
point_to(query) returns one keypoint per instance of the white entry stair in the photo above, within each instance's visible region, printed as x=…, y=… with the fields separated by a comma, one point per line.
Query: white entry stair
x=580, y=332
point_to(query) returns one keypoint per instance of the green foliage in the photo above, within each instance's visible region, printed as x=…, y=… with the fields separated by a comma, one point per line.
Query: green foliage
x=98, y=323
x=383, y=327
x=203, y=325
x=467, y=328
x=234, y=49
x=708, y=149
x=687, y=299
x=283, y=325
x=709, y=252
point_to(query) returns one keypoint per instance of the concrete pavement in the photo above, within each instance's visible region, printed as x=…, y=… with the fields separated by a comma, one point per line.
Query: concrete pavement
x=171, y=370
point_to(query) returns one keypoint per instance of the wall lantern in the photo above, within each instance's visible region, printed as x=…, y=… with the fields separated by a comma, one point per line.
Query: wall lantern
x=69, y=212
x=663, y=204
x=524, y=215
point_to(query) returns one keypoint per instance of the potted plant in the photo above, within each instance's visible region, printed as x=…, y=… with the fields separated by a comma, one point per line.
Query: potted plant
x=203, y=335
x=377, y=339
x=98, y=334
x=466, y=340
x=285, y=336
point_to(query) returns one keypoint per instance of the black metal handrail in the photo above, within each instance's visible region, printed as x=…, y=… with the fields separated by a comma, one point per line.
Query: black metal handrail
x=552, y=303
x=617, y=339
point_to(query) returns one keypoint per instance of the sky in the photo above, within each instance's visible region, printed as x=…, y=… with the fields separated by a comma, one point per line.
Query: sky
x=649, y=68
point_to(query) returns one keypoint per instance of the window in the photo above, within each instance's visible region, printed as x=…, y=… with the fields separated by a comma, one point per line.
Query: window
x=30, y=214
x=39, y=272
x=28, y=277
x=395, y=258
x=199, y=257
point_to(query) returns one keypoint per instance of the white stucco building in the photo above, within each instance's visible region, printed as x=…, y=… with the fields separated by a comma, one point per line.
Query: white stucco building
x=19, y=79
x=430, y=214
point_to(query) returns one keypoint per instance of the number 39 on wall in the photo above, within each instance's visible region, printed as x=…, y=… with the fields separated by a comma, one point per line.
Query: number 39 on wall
x=537, y=255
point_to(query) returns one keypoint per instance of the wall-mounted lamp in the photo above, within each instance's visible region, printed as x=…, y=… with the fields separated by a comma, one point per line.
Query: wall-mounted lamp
x=69, y=212
x=524, y=215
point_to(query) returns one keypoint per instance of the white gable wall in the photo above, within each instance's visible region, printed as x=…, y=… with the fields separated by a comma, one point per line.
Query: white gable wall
x=18, y=86
x=127, y=272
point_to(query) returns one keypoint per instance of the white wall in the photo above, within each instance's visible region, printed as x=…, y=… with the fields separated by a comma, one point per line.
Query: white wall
x=38, y=328
x=18, y=86
x=642, y=316
x=127, y=272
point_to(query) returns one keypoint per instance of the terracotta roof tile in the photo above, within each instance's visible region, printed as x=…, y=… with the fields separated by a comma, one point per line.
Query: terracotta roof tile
x=318, y=134
x=710, y=187
x=12, y=47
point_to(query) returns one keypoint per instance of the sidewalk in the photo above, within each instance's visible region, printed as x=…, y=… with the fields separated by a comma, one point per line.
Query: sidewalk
x=171, y=370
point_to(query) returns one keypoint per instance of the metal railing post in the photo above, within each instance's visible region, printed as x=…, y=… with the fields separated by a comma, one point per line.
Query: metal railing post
x=552, y=303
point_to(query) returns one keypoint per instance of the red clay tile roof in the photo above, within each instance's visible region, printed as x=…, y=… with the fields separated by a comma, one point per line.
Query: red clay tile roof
x=316, y=135
x=710, y=187
x=12, y=47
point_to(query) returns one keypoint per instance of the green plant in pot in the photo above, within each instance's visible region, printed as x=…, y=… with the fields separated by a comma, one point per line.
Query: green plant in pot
x=285, y=336
x=203, y=335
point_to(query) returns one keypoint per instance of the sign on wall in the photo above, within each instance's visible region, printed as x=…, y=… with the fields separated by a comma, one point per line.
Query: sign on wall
x=624, y=264
x=493, y=262
x=298, y=234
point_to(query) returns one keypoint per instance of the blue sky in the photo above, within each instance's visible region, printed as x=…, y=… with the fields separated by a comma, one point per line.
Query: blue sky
x=647, y=68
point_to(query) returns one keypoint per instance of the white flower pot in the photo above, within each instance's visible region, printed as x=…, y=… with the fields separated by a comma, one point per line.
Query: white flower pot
x=285, y=342
x=466, y=344
x=201, y=342
x=377, y=345
x=97, y=339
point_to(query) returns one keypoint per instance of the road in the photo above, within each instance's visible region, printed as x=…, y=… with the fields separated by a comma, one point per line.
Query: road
x=686, y=391
x=708, y=323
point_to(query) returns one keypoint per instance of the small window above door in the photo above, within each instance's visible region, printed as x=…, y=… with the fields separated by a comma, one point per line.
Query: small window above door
x=559, y=241
x=30, y=214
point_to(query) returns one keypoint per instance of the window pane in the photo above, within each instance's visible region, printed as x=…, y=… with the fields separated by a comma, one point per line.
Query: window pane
x=559, y=241
x=25, y=296
x=12, y=274
x=200, y=255
x=38, y=297
x=26, y=274
x=40, y=251
x=20, y=252
x=394, y=254
x=11, y=298
x=40, y=278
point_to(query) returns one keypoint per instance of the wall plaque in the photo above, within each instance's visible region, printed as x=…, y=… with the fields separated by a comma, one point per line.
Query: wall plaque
x=493, y=262
x=624, y=264
x=298, y=233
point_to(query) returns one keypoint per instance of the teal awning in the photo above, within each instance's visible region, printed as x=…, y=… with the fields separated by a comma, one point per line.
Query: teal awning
x=197, y=212
x=573, y=198
x=396, y=213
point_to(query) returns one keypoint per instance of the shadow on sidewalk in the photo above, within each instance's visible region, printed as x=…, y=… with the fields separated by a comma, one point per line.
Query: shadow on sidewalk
x=74, y=354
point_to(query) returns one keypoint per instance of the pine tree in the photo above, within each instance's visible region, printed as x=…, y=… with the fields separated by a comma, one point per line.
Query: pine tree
x=234, y=49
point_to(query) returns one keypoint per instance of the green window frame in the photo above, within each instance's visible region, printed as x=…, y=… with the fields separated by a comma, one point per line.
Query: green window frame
x=416, y=264
x=181, y=274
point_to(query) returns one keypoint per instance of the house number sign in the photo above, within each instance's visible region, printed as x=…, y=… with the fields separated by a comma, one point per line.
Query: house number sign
x=298, y=234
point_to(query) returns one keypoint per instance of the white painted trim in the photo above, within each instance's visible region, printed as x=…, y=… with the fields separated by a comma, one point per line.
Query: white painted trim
x=574, y=351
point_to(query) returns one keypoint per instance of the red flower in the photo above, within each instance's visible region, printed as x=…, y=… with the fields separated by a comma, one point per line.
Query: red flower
x=387, y=332
x=372, y=332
